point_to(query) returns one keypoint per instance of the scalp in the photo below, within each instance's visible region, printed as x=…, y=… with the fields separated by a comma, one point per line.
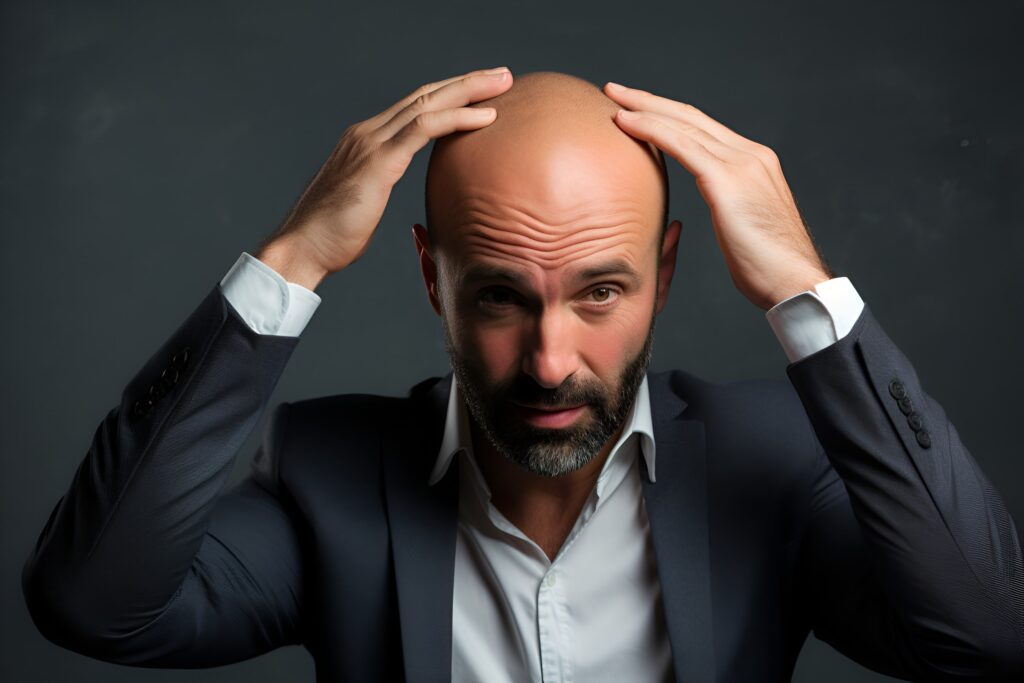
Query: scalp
x=544, y=114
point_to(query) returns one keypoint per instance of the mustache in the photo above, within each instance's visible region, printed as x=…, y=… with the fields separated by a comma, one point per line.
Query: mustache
x=523, y=389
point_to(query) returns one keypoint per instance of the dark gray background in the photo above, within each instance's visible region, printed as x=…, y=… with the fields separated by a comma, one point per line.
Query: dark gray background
x=144, y=147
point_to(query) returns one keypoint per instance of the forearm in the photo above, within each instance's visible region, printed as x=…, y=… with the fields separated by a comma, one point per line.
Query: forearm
x=945, y=547
x=120, y=542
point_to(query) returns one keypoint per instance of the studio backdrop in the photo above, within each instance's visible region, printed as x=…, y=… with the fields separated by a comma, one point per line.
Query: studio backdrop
x=146, y=145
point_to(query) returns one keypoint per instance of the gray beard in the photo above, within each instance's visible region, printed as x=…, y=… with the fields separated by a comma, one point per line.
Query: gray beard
x=551, y=452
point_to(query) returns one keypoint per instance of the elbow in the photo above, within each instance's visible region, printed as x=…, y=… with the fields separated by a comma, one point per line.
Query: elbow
x=49, y=607
x=999, y=656
x=60, y=612
x=1009, y=657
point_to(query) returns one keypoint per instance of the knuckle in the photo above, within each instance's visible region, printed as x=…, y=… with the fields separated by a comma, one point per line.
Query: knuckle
x=422, y=90
x=696, y=112
x=768, y=154
x=423, y=120
x=752, y=160
x=422, y=101
x=351, y=131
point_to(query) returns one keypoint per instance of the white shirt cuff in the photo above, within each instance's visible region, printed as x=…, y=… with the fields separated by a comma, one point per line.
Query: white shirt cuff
x=265, y=300
x=809, y=321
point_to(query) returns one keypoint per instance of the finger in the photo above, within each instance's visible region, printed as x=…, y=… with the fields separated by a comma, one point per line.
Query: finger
x=458, y=93
x=428, y=125
x=389, y=113
x=697, y=150
x=633, y=98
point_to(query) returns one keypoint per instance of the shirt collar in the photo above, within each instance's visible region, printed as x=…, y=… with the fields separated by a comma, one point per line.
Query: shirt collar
x=457, y=434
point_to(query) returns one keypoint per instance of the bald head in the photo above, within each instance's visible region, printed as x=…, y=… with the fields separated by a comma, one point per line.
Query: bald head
x=554, y=158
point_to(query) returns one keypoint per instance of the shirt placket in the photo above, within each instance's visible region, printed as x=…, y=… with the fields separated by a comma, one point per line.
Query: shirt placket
x=554, y=628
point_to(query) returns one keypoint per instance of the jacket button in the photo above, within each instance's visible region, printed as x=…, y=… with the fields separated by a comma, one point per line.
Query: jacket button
x=180, y=359
x=142, y=407
x=169, y=377
x=906, y=405
x=897, y=389
x=915, y=421
x=924, y=438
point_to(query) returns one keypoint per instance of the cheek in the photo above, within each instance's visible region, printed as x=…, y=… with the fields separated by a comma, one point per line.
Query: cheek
x=492, y=352
x=608, y=348
x=497, y=351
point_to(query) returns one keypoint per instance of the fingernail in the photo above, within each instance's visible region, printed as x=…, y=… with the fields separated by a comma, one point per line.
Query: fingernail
x=498, y=75
x=615, y=87
x=628, y=115
x=498, y=70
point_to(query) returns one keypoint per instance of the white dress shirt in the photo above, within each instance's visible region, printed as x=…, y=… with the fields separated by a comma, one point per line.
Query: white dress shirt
x=593, y=613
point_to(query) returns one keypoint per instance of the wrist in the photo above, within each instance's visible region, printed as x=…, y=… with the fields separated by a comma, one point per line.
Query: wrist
x=797, y=285
x=293, y=260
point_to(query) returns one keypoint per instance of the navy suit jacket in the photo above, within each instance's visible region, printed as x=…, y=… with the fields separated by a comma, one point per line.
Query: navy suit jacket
x=841, y=502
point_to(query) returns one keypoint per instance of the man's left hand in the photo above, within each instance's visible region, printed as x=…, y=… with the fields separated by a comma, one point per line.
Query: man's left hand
x=767, y=246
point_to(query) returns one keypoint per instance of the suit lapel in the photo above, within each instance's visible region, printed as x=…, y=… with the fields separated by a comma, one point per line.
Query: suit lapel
x=424, y=522
x=677, y=510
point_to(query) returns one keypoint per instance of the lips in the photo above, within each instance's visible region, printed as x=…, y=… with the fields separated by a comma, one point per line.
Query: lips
x=548, y=416
x=548, y=409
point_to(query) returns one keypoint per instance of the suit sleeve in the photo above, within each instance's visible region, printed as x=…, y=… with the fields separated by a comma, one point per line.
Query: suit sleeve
x=911, y=561
x=145, y=559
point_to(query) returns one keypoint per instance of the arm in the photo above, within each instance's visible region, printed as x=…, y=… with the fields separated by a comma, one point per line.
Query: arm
x=142, y=560
x=940, y=568
x=911, y=562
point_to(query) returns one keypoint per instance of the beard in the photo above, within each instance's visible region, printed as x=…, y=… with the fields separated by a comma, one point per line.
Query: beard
x=545, y=451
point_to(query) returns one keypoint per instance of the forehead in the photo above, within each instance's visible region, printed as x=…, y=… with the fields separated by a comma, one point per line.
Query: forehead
x=517, y=233
x=549, y=199
x=561, y=203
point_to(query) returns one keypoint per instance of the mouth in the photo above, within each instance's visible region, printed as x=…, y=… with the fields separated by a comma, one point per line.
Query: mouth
x=550, y=417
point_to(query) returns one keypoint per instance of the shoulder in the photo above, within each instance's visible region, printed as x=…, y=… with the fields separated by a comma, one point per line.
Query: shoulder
x=337, y=434
x=760, y=423
x=708, y=398
x=349, y=415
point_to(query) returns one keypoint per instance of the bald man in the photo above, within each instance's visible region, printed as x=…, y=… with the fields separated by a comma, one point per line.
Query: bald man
x=549, y=510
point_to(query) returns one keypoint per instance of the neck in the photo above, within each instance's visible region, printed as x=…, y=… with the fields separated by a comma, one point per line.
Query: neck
x=543, y=508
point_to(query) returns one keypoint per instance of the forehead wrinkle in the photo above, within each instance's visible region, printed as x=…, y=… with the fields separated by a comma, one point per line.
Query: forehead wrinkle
x=484, y=234
x=545, y=262
x=549, y=235
x=491, y=204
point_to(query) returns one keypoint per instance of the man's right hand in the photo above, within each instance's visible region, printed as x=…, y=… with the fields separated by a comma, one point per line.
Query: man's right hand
x=331, y=225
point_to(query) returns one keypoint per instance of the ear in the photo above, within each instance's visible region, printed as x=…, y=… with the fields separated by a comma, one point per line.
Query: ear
x=427, y=265
x=667, y=262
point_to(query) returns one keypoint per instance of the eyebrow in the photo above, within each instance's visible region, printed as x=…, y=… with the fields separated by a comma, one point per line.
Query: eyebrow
x=486, y=272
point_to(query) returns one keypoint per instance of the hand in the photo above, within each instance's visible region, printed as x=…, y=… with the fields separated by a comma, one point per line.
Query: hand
x=766, y=243
x=331, y=225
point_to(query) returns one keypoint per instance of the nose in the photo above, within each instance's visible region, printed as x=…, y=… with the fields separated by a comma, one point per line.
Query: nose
x=551, y=354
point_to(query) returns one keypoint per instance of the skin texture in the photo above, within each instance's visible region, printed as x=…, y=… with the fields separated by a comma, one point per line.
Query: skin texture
x=552, y=187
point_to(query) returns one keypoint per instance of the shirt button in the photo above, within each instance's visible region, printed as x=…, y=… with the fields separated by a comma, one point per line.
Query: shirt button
x=551, y=579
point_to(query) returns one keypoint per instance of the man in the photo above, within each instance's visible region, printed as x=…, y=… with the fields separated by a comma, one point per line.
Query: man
x=548, y=511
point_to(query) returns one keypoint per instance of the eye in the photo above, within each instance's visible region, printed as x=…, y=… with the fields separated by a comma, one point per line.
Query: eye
x=603, y=296
x=503, y=297
x=497, y=297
